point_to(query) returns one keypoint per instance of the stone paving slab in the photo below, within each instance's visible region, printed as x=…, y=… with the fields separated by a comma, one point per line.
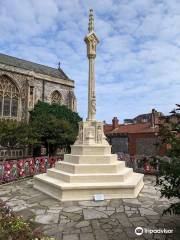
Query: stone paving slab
x=88, y=220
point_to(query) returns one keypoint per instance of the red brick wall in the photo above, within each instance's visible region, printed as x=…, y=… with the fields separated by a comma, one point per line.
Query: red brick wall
x=132, y=139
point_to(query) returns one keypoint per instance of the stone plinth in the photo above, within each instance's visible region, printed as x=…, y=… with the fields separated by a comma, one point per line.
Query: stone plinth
x=90, y=169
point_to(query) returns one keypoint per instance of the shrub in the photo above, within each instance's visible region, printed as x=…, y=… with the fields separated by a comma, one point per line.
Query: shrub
x=13, y=227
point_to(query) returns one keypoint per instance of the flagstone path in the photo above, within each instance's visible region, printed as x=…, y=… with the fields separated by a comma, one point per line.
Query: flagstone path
x=89, y=220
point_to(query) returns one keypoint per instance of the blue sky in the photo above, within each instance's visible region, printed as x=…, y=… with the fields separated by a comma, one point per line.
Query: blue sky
x=138, y=57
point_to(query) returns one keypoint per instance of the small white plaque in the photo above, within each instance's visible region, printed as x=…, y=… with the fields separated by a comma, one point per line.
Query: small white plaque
x=99, y=197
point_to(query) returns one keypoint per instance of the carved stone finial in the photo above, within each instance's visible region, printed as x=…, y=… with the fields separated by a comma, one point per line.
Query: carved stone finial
x=91, y=21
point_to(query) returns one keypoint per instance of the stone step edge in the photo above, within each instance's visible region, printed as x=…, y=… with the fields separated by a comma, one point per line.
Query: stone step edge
x=92, y=155
x=123, y=171
x=135, y=180
x=91, y=145
x=93, y=165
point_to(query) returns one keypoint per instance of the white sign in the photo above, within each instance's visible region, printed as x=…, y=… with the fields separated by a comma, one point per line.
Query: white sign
x=99, y=197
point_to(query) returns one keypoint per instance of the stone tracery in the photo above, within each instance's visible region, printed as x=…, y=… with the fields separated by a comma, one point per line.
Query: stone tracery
x=56, y=98
x=9, y=97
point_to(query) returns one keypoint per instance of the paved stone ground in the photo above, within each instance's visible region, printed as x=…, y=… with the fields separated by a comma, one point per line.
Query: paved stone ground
x=88, y=220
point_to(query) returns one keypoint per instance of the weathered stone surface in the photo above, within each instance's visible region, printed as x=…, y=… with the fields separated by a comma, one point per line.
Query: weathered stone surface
x=127, y=208
x=54, y=232
x=47, y=219
x=4, y=192
x=70, y=224
x=19, y=208
x=82, y=224
x=134, y=202
x=69, y=204
x=160, y=236
x=54, y=210
x=70, y=237
x=72, y=216
x=86, y=236
x=27, y=214
x=144, y=212
x=49, y=202
x=4, y=199
x=38, y=211
x=101, y=235
x=72, y=209
x=86, y=229
x=123, y=219
x=95, y=224
x=132, y=213
x=138, y=219
x=37, y=198
x=130, y=232
x=120, y=209
x=64, y=221
x=116, y=203
x=123, y=236
x=106, y=227
x=93, y=214
x=93, y=204
x=15, y=202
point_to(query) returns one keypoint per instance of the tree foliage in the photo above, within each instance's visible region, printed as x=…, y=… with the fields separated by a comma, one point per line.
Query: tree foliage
x=49, y=125
x=168, y=177
x=55, y=125
x=13, y=134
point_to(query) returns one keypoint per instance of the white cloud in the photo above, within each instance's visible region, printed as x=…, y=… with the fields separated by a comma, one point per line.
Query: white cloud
x=138, y=57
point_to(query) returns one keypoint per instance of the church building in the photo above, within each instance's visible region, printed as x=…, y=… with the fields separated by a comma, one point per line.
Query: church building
x=23, y=83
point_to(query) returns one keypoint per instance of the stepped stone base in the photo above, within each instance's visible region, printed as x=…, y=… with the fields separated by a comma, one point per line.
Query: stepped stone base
x=85, y=191
x=90, y=169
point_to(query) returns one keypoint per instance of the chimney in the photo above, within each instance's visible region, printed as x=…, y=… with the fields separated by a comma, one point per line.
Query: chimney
x=153, y=113
x=115, y=122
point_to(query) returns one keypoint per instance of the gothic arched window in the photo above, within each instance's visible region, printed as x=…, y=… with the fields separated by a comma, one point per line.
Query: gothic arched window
x=9, y=96
x=56, y=98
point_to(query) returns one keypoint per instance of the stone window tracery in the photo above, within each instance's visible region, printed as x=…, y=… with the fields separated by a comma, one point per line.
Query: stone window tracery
x=56, y=98
x=9, y=96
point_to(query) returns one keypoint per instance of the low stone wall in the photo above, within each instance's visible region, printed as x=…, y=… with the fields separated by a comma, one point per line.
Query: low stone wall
x=11, y=170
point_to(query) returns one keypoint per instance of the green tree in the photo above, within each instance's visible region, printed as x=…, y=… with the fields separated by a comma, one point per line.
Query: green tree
x=168, y=178
x=50, y=125
x=15, y=134
x=56, y=126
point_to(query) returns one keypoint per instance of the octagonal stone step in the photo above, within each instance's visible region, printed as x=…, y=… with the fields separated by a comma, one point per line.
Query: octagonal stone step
x=64, y=191
x=90, y=168
x=89, y=177
x=90, y=159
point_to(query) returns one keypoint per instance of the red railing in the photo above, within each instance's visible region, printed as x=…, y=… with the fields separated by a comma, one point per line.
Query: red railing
x=11, y=170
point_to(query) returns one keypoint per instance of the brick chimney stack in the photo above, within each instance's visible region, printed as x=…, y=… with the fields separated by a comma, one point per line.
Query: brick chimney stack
x=115, y=122
x=153, y=118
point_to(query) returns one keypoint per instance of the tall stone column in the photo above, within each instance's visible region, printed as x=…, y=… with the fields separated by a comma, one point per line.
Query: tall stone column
x=90, y=169
x=91, y=41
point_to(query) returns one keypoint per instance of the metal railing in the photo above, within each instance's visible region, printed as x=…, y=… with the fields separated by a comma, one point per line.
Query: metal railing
x=11, y=170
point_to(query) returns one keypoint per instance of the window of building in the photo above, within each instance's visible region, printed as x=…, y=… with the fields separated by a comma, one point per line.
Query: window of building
x=9, y=96
x=56, y=98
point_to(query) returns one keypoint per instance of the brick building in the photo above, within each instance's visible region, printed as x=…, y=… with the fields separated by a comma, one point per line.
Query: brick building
x=140, y=137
